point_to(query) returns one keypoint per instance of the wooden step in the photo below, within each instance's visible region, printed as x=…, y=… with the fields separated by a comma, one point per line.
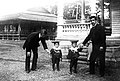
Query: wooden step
x=79, y=61
x=83, y=54
x=82, y=58
x=83, y=62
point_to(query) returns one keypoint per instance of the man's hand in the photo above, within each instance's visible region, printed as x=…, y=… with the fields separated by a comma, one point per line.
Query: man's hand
x=61, y=59
x=81, y=45
x=101, y=48
x=47, y=51
x=39, y=35
x=28, y=53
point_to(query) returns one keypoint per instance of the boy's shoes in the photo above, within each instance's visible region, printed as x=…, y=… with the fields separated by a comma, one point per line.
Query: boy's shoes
x=92, y=73
x=70, y=73
x=53, y=69
x=27, y=71
x=58, y=69
x=89, y=73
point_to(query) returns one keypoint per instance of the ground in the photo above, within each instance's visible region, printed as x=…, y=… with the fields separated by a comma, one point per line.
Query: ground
x=12, y=63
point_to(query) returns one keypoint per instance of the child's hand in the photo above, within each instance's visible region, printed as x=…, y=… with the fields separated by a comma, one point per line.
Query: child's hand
x=61, y=59
x=50, y=56
x=47, y=51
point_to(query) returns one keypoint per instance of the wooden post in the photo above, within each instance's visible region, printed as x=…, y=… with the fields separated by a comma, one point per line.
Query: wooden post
x=83, y=12
x=60, y=18
x=93, y=7
x=60, y=12
x=102, y=18
x=77, y=12
x=19, y=31
x=7, y=31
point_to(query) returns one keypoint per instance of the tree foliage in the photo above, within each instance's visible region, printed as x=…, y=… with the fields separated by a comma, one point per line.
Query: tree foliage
x=70, y=9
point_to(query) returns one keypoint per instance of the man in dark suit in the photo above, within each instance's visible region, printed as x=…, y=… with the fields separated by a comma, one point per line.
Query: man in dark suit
x=98, y=38
x=32, y=44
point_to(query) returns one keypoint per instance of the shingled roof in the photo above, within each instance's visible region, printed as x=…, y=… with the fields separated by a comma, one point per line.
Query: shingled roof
x=34, y=14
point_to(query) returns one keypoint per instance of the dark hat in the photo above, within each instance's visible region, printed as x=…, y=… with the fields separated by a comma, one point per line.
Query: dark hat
x=43, y=31
x=55, y=41
x=74, y=41
x=93, y=17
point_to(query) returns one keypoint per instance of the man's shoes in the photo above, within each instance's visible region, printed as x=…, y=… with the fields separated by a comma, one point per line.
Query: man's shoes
x=92, y=73
x=101, y=75
x=75, y=71
x=33, y=70
x=89, y=73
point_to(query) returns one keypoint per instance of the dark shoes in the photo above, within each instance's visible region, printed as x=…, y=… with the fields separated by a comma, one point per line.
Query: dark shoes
x=101, y=75
x=58, y=69
x=33, y=70
x=70, y=73
x=27, y=71
x=91, y=73
x=75, y=71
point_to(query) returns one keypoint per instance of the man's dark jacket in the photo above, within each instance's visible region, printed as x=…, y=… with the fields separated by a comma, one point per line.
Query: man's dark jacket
x=97, y=36
x=33, y=41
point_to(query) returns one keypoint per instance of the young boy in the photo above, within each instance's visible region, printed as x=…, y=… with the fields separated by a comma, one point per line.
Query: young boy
x=56, y=55
x=73, y=55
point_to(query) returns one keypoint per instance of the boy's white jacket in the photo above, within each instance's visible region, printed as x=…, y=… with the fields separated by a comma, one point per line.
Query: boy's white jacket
x=74, y=49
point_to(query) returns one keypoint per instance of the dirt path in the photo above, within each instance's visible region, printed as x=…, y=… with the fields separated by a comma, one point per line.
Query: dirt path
x=12, y=63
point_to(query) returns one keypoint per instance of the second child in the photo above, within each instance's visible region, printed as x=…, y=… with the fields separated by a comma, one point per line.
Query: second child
x=73, y=55
x=56, y=55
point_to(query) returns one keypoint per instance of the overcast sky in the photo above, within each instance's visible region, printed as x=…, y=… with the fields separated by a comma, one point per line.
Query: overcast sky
x=16, y=6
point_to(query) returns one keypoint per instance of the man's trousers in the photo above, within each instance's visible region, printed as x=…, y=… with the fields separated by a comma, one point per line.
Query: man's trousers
x=100, y=54
x=34, y=60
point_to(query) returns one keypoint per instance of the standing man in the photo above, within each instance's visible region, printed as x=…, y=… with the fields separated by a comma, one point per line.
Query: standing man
x=32, y=44
x=98, y=38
